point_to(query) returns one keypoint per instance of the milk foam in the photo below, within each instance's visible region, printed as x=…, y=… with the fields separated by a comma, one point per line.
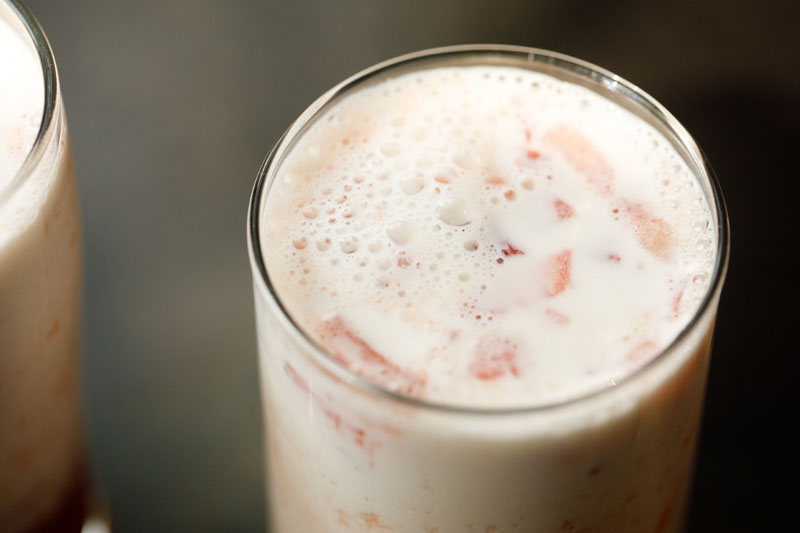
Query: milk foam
x=21, y=100
x=487, y=236
x=21, y=108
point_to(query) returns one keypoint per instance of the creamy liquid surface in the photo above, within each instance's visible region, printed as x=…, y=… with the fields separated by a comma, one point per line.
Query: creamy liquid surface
x=487, y=237
x=21, y=101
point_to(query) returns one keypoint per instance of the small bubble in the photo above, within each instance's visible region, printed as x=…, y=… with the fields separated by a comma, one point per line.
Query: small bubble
x=310, y=212
x=300, y=243
x=700, y=278
x=349, y=245
x=412, y=185
x=467, y=160
x=463, y=276
x=455, y=211
x=471, y=245
x=384, y=264
x=445, y=175
x=703, y=244
x=323, y=244
x=400, y=231
x=375, y=246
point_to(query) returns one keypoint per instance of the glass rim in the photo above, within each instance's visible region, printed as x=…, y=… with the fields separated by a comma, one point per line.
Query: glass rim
x=50, y=79
x=523, y=55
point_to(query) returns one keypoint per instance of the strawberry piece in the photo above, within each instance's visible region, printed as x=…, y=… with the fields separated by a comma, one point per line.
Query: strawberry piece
x=653, y=233
x=373, y=522
x=295, y=377
x=563, y=209
x=495, y=358
x=372, y=365
x=508, y=249
x=582, y=155
x=638, y=353
x=558, y=273
x=532, y=154
x=346, y=429
x=676, y=300
x=495, y=180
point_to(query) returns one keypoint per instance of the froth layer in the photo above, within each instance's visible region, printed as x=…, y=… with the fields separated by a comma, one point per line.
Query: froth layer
x=21, y=100
x=487, y=236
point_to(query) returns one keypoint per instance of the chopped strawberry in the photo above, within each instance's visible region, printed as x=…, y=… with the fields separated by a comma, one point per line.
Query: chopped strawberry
x=372, y=365
x=373, y=522
x=582, y=155
x=495, y=358
x=348, y=430
x=653, y=233
x=638, y=353
x=678, y=297
x=532, y=154
x=563, y=209
x=295, y=377
x=558, y=273
x=508, y=249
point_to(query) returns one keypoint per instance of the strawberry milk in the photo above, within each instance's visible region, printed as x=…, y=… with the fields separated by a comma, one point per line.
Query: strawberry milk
x=41, y=461
x=490, y=289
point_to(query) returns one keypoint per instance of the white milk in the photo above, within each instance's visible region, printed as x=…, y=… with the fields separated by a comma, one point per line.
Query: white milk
x=41, y=464
x=484, y=237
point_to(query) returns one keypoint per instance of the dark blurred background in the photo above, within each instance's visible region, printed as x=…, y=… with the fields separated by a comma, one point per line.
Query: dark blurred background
x=174, y=104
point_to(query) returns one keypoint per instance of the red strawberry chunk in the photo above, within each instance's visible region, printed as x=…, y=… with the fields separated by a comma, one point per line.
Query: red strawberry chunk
x=371, y=364
x=638, y=353
x=558, y=273
x=563, y=209
x=494, y=359
x=509, y=249
x=582, y=155
x=653, y=233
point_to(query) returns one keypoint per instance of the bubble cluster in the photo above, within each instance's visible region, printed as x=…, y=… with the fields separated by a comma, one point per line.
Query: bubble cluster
x=415, y=202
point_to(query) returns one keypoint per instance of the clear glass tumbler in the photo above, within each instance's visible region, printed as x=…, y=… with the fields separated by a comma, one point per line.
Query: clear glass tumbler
x=44, y=484
x=345, y=454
